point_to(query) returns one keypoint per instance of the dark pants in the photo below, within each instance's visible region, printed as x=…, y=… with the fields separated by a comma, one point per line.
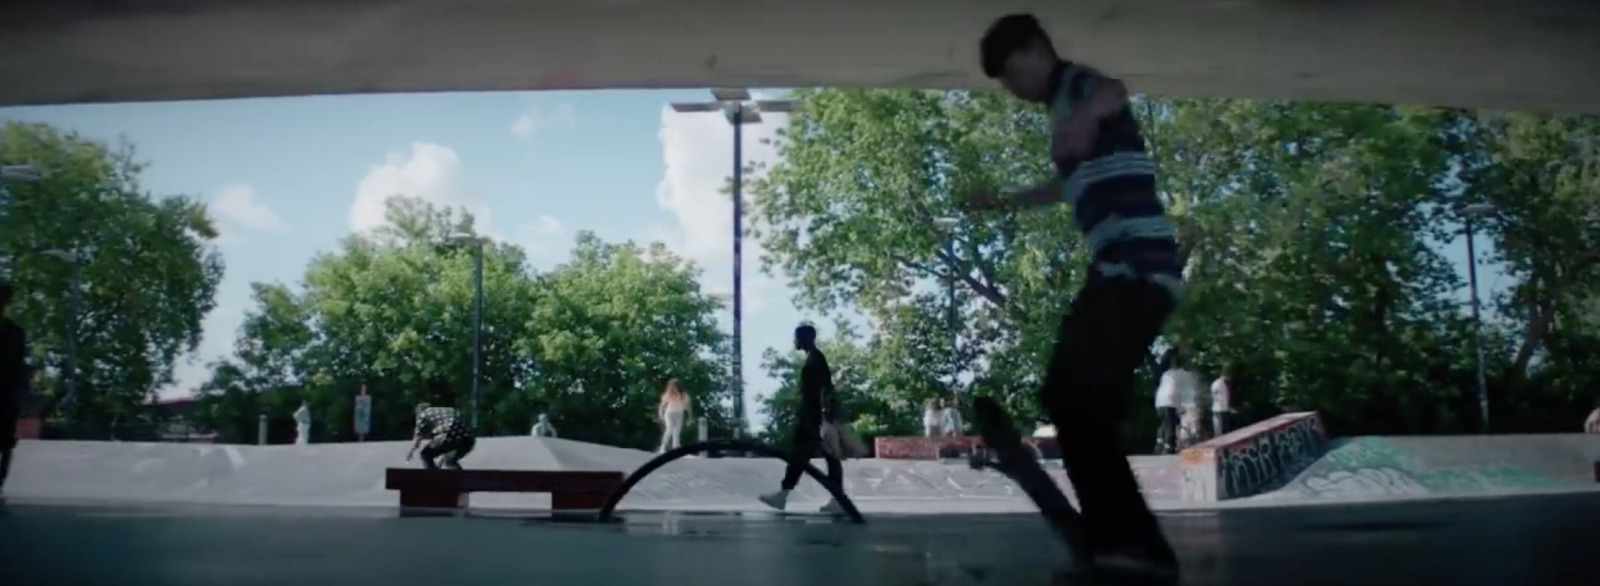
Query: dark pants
x=8, y=444
x=5, y=463
x=446, y=453
x=1219, y=423
x=1087, y=391
x=806, y=445
x=1167, y=433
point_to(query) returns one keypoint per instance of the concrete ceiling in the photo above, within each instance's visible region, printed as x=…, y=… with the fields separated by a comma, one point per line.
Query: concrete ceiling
x=1527, y=54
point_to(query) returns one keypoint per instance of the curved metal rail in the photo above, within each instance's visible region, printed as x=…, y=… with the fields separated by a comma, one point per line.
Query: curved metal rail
x=728, y=444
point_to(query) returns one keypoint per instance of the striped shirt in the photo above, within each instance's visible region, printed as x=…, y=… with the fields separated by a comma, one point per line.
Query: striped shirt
x=1113, y=191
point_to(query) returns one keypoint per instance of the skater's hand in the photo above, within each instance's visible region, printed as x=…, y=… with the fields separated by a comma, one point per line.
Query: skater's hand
x=983, y=201
x=1073, y=139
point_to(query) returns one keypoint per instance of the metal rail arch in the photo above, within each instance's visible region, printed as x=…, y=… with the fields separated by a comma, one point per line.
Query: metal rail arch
x=728, y=444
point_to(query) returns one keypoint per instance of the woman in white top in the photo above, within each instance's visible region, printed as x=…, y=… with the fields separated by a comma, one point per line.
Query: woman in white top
x=933, y=417
x=673, y=411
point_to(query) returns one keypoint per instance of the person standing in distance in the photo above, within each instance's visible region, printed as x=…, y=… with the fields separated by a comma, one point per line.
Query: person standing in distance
x=672, y=411
x=1134, y=280
x=1167, y=419
x=448, y=438
x=542, y=427
x=363, y=414
x=14, y=381
x=302, y=424
x=818, y=406
x=1221, y=403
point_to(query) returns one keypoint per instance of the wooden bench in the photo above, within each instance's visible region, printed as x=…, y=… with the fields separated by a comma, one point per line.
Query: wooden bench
x=569, y=490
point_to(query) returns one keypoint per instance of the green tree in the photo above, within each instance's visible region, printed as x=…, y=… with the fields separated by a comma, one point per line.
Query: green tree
x=610, y=328
x=1540, y=176
x=851, y=216
x=592, y=342
x=1308, y=231
x=146, y=278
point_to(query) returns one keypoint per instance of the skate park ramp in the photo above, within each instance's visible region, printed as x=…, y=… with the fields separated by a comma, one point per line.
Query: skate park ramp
x=1387, y=468
x=351, y=475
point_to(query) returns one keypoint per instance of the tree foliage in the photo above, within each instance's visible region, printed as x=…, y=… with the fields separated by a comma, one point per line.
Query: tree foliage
x=146, y=274
x=591, y=342
x=1316, y=239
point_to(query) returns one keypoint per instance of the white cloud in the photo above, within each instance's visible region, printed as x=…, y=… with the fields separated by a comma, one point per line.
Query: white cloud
x=697, y=151
x=542, y=237
x=237, y=204
x=428, y=171
x=539, y=118
x=544, y=226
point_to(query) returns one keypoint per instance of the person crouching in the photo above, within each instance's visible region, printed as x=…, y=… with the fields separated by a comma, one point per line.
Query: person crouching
x=449, y=440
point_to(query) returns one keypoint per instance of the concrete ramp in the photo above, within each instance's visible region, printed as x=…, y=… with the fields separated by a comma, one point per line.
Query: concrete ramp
x=1266, y=461
x=314, y=475
x=352, y=475
x=1364, y=468
x=1253, y=459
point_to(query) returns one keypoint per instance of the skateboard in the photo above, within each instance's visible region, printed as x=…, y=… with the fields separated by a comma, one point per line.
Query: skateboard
x=1004, y=452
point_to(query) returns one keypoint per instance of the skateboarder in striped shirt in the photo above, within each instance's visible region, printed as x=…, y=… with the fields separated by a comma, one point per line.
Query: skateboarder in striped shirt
x=448, y=438
x=1103, y=171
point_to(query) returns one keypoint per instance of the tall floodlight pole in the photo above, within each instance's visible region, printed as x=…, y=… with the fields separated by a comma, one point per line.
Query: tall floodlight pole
x=69, y=377
x=736, y=105
x=948, y=227
x=477, y=320
x=1468, y=214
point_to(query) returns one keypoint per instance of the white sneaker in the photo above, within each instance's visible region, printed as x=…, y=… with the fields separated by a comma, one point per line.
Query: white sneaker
x=777, y=500
x=832, y=508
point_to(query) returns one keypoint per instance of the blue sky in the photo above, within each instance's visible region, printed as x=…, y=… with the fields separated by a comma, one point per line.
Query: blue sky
x=288, y=177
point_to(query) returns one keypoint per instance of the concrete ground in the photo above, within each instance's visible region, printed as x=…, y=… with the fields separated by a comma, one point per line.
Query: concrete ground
x=1546, y=540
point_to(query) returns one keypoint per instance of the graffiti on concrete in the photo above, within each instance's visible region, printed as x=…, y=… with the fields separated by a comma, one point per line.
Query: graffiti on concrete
x=1365, y=482
x=1377, y=452
x=1267, y=460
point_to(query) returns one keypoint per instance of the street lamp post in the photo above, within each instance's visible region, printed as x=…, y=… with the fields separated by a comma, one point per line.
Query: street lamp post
x=738, y=107
x=477, y=320
x=1468, y=213
x=69, y=367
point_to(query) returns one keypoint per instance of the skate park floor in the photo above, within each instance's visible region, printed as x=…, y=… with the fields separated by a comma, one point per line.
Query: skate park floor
x=1540, y=539
x=1465, y=511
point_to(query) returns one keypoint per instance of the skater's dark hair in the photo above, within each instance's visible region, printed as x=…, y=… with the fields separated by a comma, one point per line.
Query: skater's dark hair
x=806, y=335
x=1008, y=35
x=5, y=294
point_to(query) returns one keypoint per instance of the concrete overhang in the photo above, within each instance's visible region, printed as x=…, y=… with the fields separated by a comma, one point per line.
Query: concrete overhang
x=1527, y=54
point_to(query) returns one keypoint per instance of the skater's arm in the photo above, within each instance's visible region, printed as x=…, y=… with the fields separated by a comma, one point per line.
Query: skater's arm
x=417, y=435
x=1043, y=194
